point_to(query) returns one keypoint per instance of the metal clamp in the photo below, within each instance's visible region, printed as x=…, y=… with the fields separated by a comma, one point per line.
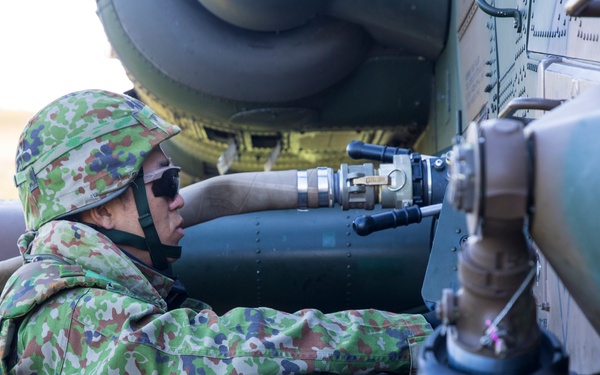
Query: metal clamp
x=324, y=186
x=303, y=190
x=381, y=180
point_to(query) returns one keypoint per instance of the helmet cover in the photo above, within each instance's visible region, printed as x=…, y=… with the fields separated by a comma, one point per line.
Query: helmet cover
x=81, y=150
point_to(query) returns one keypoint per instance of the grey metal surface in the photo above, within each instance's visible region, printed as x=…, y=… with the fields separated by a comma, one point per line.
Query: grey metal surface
x=298, y=259
x=442, y=268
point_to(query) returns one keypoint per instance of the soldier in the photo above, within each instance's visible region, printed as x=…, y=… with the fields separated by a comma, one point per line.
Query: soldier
x=95, y=296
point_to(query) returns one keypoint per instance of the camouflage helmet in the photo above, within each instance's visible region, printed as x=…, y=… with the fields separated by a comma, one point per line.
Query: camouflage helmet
x=81, y=150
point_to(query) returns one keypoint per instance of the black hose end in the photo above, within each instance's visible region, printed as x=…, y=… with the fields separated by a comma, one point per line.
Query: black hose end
x=354, y=149
x=384, y=154
x=363, y=225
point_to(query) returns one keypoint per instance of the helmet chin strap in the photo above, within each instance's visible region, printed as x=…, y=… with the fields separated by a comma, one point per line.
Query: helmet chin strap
x=159, y=252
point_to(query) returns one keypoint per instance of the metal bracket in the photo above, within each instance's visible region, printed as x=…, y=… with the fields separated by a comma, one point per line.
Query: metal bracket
x=502, y=12
x=528, y=103
x=442, y=268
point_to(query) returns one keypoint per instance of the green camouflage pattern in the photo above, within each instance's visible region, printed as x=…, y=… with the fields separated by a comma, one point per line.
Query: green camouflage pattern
x=81, y=148
x=88, y=308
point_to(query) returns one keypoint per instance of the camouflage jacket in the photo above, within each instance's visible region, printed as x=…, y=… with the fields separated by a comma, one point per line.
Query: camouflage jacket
x=87, y=308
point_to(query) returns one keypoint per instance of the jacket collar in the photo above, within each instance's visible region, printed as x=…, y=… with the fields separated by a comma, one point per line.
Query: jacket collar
x=77, y=243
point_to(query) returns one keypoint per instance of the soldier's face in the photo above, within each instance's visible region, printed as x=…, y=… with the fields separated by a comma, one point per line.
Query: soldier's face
x=164, y=209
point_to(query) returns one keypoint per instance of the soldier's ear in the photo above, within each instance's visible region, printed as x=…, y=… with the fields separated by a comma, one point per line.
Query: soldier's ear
x=102, y=216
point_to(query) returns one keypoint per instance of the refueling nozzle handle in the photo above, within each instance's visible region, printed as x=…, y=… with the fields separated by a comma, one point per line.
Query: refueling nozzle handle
x=384, y=154
x=367, y=224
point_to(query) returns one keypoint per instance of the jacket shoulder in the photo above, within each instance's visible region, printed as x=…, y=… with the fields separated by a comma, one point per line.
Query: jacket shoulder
x=35, y=282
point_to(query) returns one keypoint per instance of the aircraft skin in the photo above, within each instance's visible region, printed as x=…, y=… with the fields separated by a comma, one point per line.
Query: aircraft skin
x=296, y=90
x=426, y=70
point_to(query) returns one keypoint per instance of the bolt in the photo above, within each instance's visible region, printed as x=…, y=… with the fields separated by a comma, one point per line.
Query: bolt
x=545, y=306
x=438, y=164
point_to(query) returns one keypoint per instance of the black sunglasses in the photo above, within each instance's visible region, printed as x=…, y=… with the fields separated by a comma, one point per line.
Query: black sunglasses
x=165, y=181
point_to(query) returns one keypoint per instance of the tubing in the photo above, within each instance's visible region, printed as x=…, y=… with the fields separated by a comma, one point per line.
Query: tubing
x=246, y=192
